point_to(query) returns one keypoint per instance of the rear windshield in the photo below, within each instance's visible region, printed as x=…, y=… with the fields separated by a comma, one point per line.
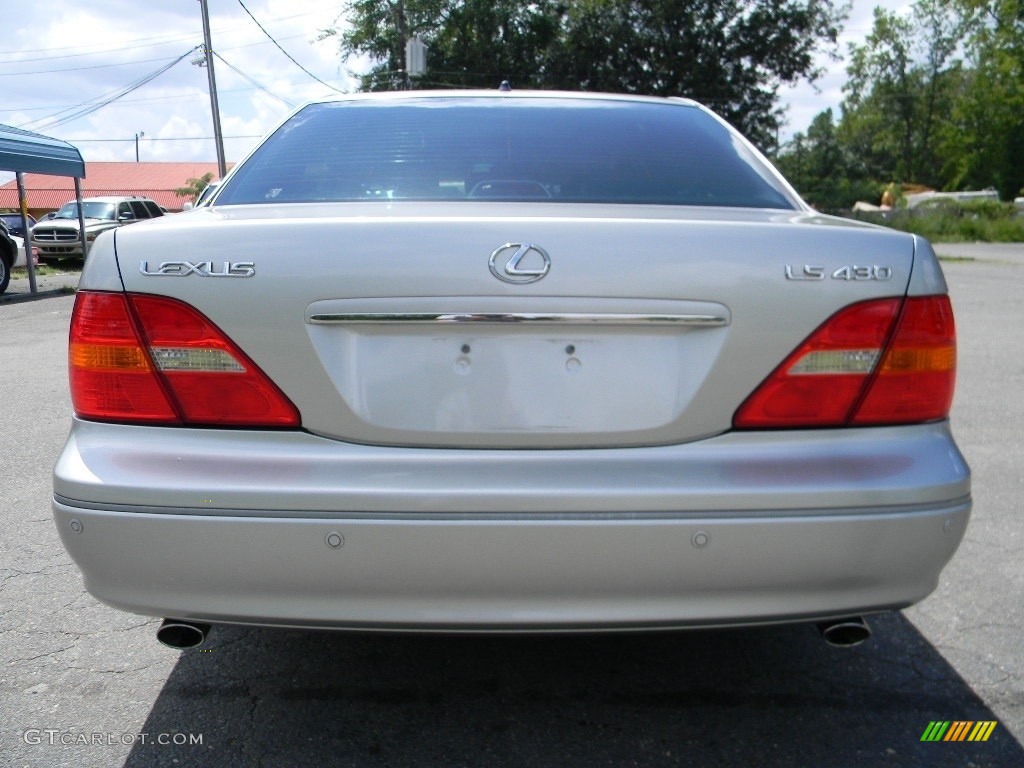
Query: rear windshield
x=525, y=149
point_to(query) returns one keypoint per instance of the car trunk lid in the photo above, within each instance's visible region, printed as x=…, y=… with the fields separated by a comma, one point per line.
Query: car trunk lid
x=514, y=325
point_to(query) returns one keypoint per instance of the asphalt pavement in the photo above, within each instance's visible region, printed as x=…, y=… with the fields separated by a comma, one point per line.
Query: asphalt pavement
x=83, y=685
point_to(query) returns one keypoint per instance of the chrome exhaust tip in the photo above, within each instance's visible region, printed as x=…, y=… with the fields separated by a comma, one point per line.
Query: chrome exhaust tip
x=181, y=635
x=845, y=633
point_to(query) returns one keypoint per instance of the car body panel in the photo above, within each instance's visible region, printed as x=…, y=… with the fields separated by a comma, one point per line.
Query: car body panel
x=9, y=256
x=287, y=472
x=345, y=378
x=511, y=574
x=21, y=260
x=744, y=528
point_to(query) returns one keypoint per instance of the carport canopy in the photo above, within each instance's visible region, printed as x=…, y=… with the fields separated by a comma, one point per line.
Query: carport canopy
x=26, y=152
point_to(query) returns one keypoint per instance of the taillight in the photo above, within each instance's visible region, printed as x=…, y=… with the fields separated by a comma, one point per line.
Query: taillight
x=111, y=375
x=149, y=359
x=885, y=361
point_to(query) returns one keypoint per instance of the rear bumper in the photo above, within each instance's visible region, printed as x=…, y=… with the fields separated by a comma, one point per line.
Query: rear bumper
x=509, y=574
x=720, y=532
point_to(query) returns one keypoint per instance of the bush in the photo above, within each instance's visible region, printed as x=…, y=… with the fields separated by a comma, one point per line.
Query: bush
x=985, y=221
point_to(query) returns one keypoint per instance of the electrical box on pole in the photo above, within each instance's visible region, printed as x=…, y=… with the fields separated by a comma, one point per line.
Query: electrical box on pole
x=415, y=57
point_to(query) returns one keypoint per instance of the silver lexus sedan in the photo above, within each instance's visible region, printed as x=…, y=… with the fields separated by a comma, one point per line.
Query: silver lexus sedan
x=509, y=362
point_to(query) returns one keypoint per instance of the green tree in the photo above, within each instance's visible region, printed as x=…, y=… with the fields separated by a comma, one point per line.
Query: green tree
x=379, y=29
x=985, y=142
x=901, y=90
x=194, y=187
x=732, y=54
x=729, y=54
x=823, y=170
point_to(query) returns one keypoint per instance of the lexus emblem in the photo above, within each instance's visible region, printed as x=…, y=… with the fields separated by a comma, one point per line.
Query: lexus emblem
x=520, y=263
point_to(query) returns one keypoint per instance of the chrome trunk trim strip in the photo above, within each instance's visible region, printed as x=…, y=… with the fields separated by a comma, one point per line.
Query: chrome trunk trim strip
x=566, y=318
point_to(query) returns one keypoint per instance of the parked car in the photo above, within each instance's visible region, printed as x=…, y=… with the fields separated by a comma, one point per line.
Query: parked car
x=205, y=197
x=15, y=225
x=17, y=248
x=19, y=244
x=59, y=238
x=9, y=256
x=510, y=361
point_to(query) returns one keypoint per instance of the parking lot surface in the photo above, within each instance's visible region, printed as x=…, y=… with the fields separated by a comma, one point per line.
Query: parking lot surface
x=84, y=685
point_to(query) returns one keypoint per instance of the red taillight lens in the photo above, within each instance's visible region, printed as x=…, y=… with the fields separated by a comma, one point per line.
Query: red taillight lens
x=886, y=361
x=148, y=359
x=110, y=373
x=915, y=380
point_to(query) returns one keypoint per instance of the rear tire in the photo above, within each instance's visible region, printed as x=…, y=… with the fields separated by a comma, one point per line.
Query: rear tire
x=5, y=272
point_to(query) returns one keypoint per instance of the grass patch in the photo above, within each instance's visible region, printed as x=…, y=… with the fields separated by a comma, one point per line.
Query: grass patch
x=946, y=221
x=43, y=270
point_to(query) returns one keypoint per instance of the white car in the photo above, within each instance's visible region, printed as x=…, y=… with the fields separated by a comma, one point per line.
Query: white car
x=510, y=362
x=20, y=260
x=8, y=257
x=12, y=255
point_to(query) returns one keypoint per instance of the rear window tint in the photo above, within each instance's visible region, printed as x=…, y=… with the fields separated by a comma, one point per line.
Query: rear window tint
x=539, y=149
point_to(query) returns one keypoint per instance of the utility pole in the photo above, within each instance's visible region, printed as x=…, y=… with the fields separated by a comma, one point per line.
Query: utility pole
x=402, y=27
x=218, y=136
x=137, y=135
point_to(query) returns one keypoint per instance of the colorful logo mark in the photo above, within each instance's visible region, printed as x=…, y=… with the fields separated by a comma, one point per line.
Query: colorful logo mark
x=958, y=730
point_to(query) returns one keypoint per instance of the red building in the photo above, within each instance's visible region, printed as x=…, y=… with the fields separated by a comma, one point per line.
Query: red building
x=153, y=180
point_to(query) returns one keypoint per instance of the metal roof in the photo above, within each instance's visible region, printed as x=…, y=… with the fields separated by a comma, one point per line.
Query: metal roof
x=24, y=151
x=157, y=180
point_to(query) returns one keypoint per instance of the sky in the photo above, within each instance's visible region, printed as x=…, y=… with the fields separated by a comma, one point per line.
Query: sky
x=59, y=59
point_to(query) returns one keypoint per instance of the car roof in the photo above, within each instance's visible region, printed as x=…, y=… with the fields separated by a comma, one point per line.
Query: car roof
x=496, y=95
x=110, y=199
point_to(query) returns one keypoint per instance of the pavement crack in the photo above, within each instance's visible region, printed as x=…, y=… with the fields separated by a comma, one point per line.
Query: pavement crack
x=48, y=654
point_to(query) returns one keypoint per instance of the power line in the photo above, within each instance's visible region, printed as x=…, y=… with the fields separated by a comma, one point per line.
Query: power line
x=89, y=108
x=92, y=105
x=169, y=138
x=192, y=94
x=143, y=42
x=282, y=50
x=146, y=42
x=263, y=88
x=120, y=64
x=81, y=69
x=74, y=112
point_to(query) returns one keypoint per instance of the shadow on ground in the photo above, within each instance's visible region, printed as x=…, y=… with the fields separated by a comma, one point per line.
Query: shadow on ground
x=770, y=696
